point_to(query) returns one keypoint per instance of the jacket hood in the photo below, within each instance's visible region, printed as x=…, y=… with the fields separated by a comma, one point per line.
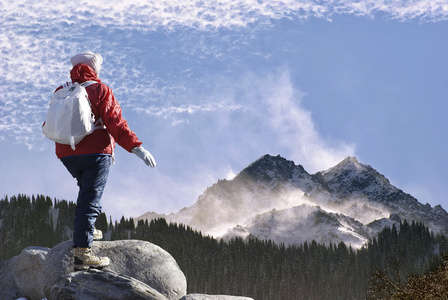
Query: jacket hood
x=81, y=73
x=93, y=60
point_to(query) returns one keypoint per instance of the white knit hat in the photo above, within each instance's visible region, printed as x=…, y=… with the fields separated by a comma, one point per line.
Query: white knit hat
x=93, y=60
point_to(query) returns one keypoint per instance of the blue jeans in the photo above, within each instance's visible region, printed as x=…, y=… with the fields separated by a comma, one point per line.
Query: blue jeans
x=91, y=173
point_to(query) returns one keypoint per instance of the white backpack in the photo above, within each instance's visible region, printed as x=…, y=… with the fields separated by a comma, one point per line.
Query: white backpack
x=69, y=117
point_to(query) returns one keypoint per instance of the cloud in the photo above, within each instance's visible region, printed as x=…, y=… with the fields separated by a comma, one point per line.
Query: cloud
x=190, y=109
x=259, y=114
x=205, y=15
x=293, y=127
x=35, y=48
x=425, y=11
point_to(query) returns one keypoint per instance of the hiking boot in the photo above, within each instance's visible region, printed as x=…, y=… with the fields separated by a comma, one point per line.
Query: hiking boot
x=84, y=259
x=97, y=234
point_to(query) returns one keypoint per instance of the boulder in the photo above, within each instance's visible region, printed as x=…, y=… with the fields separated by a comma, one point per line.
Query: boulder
x=139, y=268
x=212, y=297
x=29, y=267
x=141, y=260
x=95, y=284
x=8, y=286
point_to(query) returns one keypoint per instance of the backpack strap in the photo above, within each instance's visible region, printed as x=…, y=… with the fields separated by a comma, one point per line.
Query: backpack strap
x=87, y=83
x=99, y=123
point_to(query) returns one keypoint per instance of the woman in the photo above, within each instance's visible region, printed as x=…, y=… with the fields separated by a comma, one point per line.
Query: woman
x=89, y=163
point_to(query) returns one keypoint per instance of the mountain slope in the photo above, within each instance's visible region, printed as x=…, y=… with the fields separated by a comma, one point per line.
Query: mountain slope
x=275, y=199
x=303, y=223
x=268, y=183
x=354, y=182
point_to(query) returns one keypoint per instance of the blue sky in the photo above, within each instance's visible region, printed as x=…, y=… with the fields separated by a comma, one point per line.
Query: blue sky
x=209, y=87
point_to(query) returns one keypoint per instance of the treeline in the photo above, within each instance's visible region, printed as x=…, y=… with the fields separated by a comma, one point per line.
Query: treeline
x=253, y=268
x=36, y=221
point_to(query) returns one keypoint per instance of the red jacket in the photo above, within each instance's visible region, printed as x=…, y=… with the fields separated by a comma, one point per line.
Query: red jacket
x=104, y=106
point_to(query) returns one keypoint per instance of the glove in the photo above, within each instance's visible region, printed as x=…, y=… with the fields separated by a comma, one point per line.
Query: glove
x=144, y=155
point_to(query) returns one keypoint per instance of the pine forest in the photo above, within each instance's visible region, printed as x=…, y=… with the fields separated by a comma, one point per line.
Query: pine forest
x=401, y=261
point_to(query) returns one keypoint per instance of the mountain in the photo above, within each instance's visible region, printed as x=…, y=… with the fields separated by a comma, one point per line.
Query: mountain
x=274, y=198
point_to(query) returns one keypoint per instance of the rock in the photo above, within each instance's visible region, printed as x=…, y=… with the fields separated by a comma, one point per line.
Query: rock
x=29, y=267
x=212, y=297
x=141, y=260
x=8, y=286
x=95, y=284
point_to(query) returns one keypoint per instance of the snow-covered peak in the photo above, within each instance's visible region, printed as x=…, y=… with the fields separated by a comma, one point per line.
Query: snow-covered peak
x=349, y=162
x=349, y=165
x=272, y=168
x=352, y=178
